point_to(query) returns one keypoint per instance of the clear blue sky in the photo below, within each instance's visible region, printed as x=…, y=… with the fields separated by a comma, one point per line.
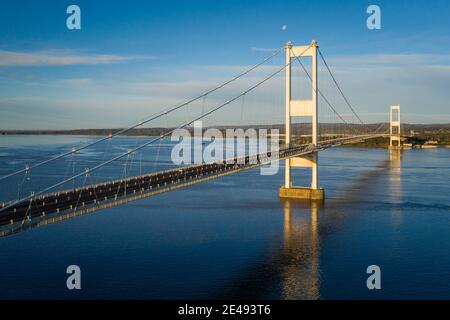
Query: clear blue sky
x=132, y=58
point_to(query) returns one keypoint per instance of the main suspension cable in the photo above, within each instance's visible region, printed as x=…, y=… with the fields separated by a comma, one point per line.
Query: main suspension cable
x=185, y=124
x=339, y=87
x=142, y=122
x=317, y=90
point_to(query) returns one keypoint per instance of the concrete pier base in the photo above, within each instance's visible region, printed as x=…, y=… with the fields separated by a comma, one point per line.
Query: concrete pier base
x=302, y=193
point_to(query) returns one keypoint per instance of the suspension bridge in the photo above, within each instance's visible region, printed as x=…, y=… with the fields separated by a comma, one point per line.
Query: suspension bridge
x=58, y=201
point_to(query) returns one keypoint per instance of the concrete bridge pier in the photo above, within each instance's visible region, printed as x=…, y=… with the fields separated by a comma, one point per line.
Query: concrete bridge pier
x=307, y=193
x=302, y=108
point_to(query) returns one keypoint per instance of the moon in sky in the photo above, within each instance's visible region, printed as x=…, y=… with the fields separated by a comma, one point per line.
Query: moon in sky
x=284, y=27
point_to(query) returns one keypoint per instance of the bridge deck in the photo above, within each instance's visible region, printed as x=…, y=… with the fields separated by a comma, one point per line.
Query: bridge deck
x=90, y=198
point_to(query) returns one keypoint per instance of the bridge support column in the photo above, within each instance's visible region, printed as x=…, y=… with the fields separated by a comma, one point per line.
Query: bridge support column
x=302, y=108
x=306, y=193
x=395, y=131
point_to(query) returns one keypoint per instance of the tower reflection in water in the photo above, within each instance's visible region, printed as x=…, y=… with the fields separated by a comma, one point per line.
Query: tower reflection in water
x=292, y=268
x=395, y=184
x=300, y=274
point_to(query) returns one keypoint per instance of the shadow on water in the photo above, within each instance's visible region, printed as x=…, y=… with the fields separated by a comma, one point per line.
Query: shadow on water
x=292, y=270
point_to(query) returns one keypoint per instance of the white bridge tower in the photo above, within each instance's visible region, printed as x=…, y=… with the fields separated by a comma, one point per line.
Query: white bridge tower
x=302, y=108
x=394, y=128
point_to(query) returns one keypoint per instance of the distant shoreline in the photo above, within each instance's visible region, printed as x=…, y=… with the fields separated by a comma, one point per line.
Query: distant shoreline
x=297, y=128
x=84, y=132
x=416, y=135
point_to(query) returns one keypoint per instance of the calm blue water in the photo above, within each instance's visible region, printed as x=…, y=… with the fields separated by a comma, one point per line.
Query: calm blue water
x=233, y=237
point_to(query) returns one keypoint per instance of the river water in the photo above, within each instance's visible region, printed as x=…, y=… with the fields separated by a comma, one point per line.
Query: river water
x=233, y=237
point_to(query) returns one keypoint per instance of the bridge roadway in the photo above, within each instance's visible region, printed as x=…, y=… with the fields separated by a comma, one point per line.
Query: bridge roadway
x=115, y=192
